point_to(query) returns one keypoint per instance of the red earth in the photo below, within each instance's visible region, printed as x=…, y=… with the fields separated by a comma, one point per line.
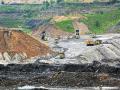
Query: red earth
x=19, y=42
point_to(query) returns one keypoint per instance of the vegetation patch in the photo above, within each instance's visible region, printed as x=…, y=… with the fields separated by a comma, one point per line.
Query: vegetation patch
x=65, y=25
x=101, y=22
x=21, y=16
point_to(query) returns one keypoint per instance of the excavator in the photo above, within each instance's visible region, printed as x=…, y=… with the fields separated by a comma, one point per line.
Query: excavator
x=44, y=36
x=91, y=42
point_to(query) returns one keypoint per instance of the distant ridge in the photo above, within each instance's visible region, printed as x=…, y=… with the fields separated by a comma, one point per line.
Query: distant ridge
x=41, y=1
x=23, y=1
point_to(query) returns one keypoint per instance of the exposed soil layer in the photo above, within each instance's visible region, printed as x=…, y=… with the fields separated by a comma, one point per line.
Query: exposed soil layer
x=52, y=31
x=80, y=26
x=14, y=42
x=59, y=75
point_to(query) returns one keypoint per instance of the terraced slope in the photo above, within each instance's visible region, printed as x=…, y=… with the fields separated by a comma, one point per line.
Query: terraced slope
x=108, y=53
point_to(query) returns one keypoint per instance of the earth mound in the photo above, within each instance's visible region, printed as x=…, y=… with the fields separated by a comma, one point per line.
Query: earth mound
x=16, y=45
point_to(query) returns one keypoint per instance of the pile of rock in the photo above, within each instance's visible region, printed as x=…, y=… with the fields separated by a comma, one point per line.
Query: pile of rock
x=109, y=53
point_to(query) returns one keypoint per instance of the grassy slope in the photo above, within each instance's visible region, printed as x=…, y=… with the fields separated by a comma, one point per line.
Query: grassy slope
x=65, y=25
x=100, y=23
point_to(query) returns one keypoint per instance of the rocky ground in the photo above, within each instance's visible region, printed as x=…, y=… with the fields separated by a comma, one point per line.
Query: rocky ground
x=69, y=75
x=76, y=51
x=83, y=66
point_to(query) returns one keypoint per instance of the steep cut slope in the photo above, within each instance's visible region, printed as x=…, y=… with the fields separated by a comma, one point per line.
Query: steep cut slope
x=80, y=26
x=52, y=31
x=16, y=45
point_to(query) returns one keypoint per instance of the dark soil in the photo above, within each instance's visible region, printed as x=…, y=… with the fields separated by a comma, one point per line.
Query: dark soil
x=87, y=75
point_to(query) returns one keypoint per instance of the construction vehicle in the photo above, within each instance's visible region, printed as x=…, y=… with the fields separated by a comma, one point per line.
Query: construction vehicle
x=44, y=36
x=57, y=39
x=62, y=55
x=59, y=51
x=77, y=34
x=91, y=42
x=98, y=42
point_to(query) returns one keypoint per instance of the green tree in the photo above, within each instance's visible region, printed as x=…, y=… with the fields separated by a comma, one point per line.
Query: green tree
x=113, y=1
x=46, y=4
x=52, y=2
x=97, y=23
x=60, y=1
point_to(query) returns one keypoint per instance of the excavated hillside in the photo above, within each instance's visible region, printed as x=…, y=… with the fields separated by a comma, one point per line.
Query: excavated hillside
x=52, y=31
x=16, y=45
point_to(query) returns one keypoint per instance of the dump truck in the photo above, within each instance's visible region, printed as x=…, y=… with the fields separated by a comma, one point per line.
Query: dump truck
x=77, y=34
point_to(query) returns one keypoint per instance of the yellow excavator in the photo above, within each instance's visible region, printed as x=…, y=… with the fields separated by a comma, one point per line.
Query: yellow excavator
x=62, y=55
x=91, y=42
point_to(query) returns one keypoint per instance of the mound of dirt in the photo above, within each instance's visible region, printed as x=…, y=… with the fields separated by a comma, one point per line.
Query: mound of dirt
x=53, y=31
x=18, y=45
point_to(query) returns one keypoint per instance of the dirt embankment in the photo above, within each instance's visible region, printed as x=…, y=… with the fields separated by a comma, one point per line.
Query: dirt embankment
x=70, y=17
x=52, y=31
x=15, y=42
x=80, y=26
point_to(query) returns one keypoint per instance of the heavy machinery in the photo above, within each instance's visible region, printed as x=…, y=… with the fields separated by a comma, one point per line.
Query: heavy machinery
x=57, y=39
x=77, y=34
x=98, y=42
x=91, y=42
x=44, y=36
x=62, y=55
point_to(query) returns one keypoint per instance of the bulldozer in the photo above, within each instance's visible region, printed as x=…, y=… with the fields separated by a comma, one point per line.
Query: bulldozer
x=91, y=42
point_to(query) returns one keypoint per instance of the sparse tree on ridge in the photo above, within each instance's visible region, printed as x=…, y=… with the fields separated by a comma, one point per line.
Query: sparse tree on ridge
x=113, y=1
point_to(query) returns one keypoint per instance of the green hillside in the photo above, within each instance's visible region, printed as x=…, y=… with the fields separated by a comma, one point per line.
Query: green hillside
x=100, y=23
x=65, y=25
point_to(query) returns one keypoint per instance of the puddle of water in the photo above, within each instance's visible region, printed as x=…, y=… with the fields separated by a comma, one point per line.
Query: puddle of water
x=84, y=88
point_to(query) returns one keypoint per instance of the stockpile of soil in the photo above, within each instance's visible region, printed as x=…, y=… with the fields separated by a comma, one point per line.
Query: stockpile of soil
x=17, y=42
